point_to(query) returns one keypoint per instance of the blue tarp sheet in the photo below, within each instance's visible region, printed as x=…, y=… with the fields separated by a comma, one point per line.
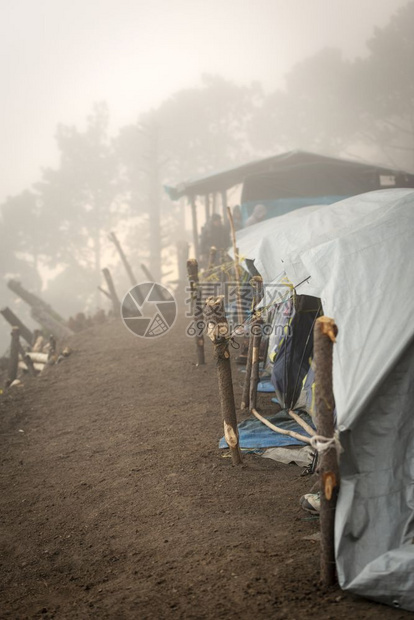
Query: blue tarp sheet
x=265, y=386
x=254, y=434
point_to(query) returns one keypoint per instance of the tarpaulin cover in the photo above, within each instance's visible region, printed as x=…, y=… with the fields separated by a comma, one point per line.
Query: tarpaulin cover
x=358, y=255
x=255, y=434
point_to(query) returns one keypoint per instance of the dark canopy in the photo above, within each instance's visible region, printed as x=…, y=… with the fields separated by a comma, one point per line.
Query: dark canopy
x=296, y=173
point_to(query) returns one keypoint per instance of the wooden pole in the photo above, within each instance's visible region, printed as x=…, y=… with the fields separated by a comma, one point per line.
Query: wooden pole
x=147, y=273
x=218, y=332
x=207, y=206
x=236, y=268
x=104, y=292
x=277, y=429
x=14, y=321
x=195, y=227
x=256, y=329
x=325, y=332
x=112, y=292
x=245, y=401
x=33, y=300
x=196, y=309
x=128, y=269
x=52, y=326
x=14, y=354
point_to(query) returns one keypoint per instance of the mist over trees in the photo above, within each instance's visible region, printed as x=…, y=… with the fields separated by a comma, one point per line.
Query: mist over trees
x=58, y=228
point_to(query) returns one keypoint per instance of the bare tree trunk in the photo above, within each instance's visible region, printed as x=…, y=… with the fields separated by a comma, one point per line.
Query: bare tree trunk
x=218, y=331
x=325, y=332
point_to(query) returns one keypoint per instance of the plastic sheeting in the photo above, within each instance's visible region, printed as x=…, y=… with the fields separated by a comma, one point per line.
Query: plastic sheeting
x=358, y=256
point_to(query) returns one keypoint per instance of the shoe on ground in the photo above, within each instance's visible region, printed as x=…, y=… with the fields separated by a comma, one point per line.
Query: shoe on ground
x=311, y=502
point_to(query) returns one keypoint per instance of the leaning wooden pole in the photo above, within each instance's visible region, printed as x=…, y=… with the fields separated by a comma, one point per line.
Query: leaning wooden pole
x=14, y=354
x=218, y=332
x=112, y=291
x=196, y=309
x=33, y=300
x=112, y=236
x=14, y=321
x=325, y=332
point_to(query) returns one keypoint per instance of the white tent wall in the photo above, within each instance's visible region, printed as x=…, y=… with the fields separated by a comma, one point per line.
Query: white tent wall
x=359, y=255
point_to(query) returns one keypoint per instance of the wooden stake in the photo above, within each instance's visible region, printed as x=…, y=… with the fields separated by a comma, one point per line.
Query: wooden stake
x=14, y=353
x=218, y=332
x=112, y=292
x=14, y=321
x=196, y=309
x=236, y=268
x=325, y=332
x=112, y=236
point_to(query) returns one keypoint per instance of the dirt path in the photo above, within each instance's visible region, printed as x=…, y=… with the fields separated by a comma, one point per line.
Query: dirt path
x=116, y=502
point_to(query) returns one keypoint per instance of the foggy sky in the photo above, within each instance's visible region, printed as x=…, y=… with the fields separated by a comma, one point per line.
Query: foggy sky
x=58, y=57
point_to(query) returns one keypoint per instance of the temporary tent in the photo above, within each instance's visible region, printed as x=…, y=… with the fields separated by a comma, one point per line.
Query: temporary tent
x=356, y=255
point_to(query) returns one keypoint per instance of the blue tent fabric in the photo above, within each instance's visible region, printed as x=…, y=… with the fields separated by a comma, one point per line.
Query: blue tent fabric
x=254, y=434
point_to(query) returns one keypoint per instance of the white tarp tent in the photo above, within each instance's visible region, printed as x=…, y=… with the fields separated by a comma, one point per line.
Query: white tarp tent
x=359, y=257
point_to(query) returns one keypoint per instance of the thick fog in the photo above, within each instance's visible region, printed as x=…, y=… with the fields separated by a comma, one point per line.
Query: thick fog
x=105, y=101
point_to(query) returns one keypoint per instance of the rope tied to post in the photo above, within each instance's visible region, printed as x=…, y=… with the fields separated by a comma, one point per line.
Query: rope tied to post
x=323, y=444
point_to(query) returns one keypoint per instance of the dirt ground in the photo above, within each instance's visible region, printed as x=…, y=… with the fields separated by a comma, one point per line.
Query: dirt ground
x=116, y=502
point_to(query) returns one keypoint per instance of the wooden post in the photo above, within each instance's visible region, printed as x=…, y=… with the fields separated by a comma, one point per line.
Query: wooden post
x=256, y=329
x=236, y=268
x=114, y=239
x=112, y=292
x=27, y=360
x=195, y=227
x=14, y=354
x=224, y=204
x=218, y=332
x=14, y=321
x=207, y=206
x=196, y=309
x=325, y=332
